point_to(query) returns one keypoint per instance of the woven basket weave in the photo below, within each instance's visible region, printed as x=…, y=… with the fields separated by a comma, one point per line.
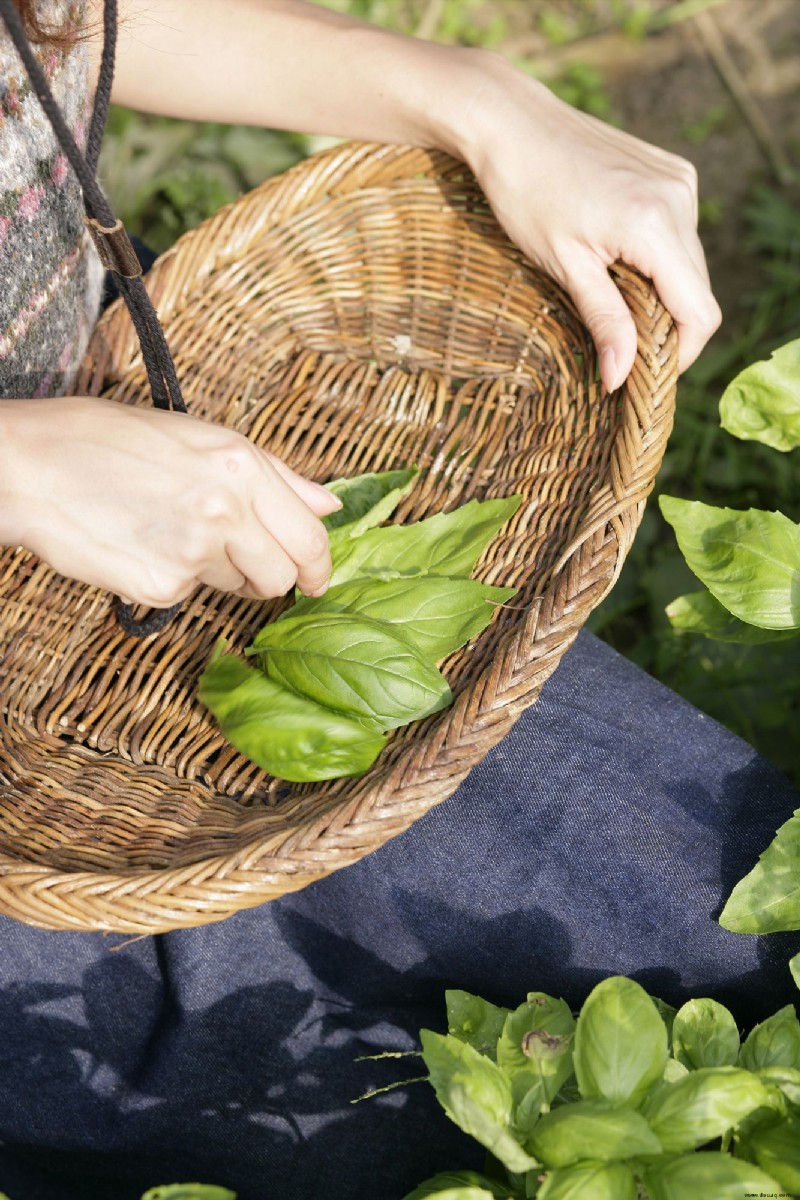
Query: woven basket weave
x=360, y=312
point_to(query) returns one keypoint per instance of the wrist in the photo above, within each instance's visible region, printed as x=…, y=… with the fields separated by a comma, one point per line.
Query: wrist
x=15, y=471
x=499, y=102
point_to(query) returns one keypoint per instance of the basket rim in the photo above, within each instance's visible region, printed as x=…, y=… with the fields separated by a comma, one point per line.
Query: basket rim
x=338, y=171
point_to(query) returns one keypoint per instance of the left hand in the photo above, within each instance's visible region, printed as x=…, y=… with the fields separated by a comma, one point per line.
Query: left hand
x=576, y=194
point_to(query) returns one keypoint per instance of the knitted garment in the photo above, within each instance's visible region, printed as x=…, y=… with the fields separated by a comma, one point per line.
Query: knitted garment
x=50, y=276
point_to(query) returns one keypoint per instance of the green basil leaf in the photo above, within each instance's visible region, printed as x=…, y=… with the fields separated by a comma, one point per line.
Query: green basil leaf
x=591, y=1129
x=704, y=1034
x=666, y=1012
x=750, y=561
x=437, y=614
x=768, y=899
x=475, y=1094
x=288, y=735
x=762, y=403
x=702, y=1106
x=708, y=1173
x=189, y=1191
x=776, y=1149
x=794, y=967
x=355, y=666
x=535, y=1047
x=446, y=544
x=699, y=612
x=620, y=1043
x=367, y=499
x=589, y=1181
x=474, y=1021
x=773, y=1043
x=460, y=1185
x=674, y=1071
x=785, y=1078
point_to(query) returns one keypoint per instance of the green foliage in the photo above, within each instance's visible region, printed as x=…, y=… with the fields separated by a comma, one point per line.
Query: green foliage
x=767, y=900
x=704, y=1034
x=336, y=672
x=639, y=1113
x=475, y=1021
x=620, y=1043
x=447, y=544
x=750, y=561
x=762, y=403
x=476, y=1094
x=189, y=1191
x=752, y=691
x=288, y=735
x=353, y=665
x=435, y=613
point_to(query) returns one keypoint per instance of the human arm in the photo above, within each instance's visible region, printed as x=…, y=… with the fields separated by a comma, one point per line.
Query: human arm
x=148, y=504
x=572, y=192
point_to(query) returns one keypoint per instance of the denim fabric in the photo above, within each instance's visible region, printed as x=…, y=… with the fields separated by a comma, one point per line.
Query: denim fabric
x=602, y=836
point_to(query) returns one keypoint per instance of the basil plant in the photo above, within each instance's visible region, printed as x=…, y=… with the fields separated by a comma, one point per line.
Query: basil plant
x=631, y=1100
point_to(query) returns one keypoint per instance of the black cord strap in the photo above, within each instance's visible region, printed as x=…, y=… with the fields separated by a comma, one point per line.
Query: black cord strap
x=109, y=235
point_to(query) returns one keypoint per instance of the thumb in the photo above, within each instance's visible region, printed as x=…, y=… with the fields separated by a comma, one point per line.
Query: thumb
x=318, y=498
x=606, y=316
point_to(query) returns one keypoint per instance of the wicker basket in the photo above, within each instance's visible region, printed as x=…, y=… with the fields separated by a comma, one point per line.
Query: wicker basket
x=362, y=311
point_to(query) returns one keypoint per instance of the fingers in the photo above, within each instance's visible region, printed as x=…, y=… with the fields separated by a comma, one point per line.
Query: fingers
x=301, y=540
x=318, y=498
x=605, y=314
x=681, y=280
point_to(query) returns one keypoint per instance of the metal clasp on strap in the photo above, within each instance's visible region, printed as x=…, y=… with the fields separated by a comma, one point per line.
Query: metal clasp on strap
x=114, y=247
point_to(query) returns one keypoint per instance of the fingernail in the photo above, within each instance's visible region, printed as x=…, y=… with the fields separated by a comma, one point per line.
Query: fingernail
x=320, y=591
x=609, y=371
x=330, y=496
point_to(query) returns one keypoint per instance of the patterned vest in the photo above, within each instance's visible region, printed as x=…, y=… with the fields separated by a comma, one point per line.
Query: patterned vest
x=50, y=275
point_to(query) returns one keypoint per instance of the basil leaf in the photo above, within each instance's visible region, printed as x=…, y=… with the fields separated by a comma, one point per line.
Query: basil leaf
x=589, y=1181
x=704, y=1034
x=460, y=1185
x=446, y=544
x=762, y=403
x=475, y=1094
x=355, y=666
x=700, y=612
x=708, y=1173
x=189, y=1191
x=702, y=1106
x=367, y=499
x=776, y=1149
x=785, y=1078
x=750, y=561
x=535, y=1047
x=437, y=614
x=674, y=1071
x=288, y=735
x=592, y=1129
x=768, y=899
x=773, y=1043
x=620, y=1043
x=794, y=967
x=667, y=1013
x=474, y=1021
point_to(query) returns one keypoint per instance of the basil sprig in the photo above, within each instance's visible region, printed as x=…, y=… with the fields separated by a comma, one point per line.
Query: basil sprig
x=334, y=673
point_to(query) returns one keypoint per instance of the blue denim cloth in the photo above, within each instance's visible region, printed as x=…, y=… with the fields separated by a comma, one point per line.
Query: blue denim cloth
x=602, y=836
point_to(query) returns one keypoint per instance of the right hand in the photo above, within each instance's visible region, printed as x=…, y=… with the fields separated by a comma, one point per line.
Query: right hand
x=149, y=504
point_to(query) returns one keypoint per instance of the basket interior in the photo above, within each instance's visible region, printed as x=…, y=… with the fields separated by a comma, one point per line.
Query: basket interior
x=392, y=326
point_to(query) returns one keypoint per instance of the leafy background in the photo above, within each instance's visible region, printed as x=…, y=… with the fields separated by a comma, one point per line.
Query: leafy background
x=730, y=103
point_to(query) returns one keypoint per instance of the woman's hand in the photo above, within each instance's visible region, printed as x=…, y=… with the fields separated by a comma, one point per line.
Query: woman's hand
x=576, y=194
x=148, y=504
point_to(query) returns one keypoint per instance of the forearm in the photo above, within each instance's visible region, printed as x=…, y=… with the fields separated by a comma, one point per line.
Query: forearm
x=287, y=64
